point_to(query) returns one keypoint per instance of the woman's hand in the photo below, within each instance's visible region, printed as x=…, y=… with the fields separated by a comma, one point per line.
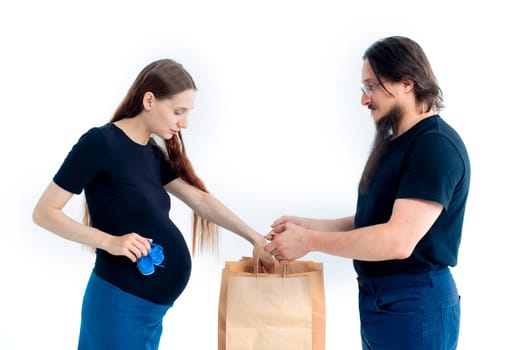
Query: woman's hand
x=131, y=245
x=266, y=260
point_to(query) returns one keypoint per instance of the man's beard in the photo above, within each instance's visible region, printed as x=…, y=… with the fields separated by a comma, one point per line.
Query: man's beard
x=386, y=128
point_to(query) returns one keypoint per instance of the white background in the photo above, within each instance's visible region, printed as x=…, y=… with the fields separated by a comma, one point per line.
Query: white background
x=277, y=129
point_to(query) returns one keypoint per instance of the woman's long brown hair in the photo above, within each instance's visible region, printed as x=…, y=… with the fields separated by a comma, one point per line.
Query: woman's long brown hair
x=165, y=78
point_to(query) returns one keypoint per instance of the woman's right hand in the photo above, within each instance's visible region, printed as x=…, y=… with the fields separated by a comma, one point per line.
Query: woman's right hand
x=131, y=245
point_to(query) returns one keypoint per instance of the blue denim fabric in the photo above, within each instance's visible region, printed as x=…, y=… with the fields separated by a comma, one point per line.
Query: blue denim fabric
x=409, y=312
x=113, y=319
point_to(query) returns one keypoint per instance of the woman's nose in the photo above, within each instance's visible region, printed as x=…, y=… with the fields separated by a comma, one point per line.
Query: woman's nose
x=183, y=122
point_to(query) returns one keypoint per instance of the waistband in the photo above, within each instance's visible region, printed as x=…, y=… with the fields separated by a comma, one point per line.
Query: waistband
x=435, y=278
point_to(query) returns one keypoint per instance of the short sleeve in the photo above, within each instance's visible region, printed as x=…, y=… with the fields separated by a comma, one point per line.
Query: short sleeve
x=167, y=172
x=434, y=167
x=83, y=163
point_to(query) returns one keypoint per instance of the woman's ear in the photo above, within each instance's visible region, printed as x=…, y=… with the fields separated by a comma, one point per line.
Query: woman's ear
x=147, y=100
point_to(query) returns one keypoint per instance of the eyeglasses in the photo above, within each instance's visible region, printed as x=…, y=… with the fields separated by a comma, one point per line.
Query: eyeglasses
x=368, y=89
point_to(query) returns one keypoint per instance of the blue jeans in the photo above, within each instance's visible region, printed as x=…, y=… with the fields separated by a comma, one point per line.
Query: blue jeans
x=409, y=311
x=113, y=319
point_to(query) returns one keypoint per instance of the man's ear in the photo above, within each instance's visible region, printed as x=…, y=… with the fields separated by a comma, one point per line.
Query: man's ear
x=147, y=100
x=408, y=85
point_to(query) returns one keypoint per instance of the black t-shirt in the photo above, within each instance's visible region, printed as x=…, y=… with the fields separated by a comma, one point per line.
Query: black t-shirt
x=123, y=184
x=430, y=162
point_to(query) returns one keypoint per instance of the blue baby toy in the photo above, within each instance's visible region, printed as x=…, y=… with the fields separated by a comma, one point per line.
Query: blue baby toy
x=146, y=264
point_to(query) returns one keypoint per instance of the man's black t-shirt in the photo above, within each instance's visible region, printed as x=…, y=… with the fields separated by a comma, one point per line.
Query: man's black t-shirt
x=429, y=162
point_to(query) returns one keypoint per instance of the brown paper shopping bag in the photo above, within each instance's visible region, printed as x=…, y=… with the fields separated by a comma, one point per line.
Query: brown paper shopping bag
x=284, y=310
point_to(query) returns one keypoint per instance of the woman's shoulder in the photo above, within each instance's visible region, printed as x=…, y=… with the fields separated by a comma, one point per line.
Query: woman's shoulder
x=103, y=130
x=96, y=137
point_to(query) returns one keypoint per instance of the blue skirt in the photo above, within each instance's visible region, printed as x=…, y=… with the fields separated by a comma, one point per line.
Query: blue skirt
x=114, y=319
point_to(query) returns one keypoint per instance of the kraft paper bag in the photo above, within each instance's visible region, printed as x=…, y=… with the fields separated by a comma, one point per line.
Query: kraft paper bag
x=284, y=310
